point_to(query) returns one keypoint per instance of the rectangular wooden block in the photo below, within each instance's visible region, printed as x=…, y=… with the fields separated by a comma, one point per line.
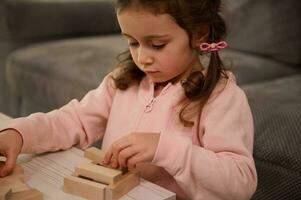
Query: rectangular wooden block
x=94, y=154
x=97, y=155
x=30, y=194
x=84, y=188
x=98, y=173
x=123, y=186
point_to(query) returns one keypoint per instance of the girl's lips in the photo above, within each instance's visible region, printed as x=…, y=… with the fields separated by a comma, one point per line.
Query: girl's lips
x=151, y=72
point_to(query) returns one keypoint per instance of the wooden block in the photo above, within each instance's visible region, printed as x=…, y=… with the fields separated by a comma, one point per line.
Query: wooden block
x=98, y=173
x=84, y=188
x=30, y=194
x=128, y=182
x=95, y=154
x=18, y=186
x=14, y=183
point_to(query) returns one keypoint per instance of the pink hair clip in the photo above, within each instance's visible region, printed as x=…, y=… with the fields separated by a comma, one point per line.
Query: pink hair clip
x=213, y=46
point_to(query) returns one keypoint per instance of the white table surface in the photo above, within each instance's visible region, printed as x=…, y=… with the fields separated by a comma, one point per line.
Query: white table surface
x=46, y=172
x=3, y=119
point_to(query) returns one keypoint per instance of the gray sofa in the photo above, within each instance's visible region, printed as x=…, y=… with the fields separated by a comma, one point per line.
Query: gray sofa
x=28, y=22
x=265, y=48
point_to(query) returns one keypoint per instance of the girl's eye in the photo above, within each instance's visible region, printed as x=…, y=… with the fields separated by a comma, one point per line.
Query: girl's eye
x=158, y=46
x=133, y=44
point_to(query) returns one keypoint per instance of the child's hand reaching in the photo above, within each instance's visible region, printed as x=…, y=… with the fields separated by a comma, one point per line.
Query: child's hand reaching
x=132, y=149
x=10, y=147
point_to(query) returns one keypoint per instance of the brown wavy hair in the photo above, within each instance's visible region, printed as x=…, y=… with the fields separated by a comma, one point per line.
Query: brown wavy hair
x=190, y=15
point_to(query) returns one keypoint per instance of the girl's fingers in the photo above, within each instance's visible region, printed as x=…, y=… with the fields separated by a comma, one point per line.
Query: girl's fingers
x=9, y=164
x=133, y=161
x=10, y=147
x=111, y=157
x=108, y=157
x=2, y=163
x=124, y=155
x=114, y=159
x=118, y=146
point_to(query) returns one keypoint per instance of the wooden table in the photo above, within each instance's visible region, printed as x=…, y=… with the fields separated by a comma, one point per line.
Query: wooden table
x=46, y=173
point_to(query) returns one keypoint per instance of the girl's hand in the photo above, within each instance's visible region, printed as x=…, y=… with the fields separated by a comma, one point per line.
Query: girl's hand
x=10, y=147
x=132, y=149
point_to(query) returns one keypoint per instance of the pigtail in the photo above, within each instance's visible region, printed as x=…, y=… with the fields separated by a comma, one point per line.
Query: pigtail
x=198, y=87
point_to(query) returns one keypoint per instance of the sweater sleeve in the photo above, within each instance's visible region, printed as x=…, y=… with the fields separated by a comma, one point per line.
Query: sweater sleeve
x=76, y=123
x=222, y=166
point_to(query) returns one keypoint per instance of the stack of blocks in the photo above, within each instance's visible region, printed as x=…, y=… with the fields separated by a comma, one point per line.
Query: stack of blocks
x=94, y=181
x=13, y=187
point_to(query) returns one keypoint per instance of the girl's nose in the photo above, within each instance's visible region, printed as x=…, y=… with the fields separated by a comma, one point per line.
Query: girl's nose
x=144, y=57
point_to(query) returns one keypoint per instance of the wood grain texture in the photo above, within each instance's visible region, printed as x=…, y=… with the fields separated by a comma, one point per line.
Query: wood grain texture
x=14, y=187
x=98, y=173
x=97, y=155
x=30, y=194
x=94, y=154
x=84, y=188
x=123, y=186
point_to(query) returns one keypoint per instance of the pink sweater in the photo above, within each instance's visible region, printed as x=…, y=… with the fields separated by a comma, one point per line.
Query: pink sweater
x=210, y=161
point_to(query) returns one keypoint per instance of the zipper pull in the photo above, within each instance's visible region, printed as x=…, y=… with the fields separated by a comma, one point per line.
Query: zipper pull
x=149, y=106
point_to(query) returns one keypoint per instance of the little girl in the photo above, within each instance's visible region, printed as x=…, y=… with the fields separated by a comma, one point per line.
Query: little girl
x=186, y=127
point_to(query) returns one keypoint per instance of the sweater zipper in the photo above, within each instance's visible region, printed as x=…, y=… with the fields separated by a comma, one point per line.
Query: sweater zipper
x=149, y=107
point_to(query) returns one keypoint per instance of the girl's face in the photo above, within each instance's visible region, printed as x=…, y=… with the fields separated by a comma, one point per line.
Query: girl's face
x=158, y=45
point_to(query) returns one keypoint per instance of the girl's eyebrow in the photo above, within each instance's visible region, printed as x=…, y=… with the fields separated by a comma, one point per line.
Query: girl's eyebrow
x=147, y=37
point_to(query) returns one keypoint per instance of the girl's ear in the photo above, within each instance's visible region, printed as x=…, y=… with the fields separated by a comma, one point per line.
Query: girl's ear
x=201, y=36
x=199, y=41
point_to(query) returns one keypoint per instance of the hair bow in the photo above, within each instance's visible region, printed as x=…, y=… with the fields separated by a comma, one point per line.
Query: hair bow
x=213, y=46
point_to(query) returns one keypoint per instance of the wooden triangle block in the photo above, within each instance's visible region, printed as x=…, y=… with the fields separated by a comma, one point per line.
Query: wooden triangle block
x=5, y=192
x=14, y=187
x=15, y=184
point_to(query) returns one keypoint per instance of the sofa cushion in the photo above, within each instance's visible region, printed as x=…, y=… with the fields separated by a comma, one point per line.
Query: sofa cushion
x=51, y=74
x=56, y=18
x=276, y=108
x=249, y=68
x=271, y=28
x=41, y=66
